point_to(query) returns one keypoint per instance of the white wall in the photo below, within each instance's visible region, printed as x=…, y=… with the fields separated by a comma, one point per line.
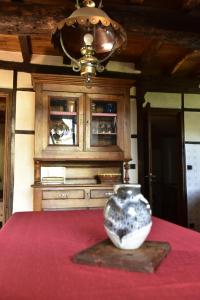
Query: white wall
x=192, y=101
x=192, y=150
x=192, y=126
x=6, y=79
x=193, y=184
x=24, y=145
x=23, y=172
x=163, y=100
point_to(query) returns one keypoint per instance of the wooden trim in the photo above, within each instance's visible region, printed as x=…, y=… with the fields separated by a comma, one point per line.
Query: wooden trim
x=140, y=94
x=169, y=84
x=25, y=45
x=8, y=184
x=45, y=79
x=60, y=70
x=5, y=90
x=182, y=102
x=24, y=131
x=139, y=2
x=150, y=84
x=192, y=143
x=192, y=109
x=25, y=90
x=183, y=160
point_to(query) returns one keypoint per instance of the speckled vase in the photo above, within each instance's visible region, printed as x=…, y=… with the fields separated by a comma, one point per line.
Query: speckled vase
x=127, y=217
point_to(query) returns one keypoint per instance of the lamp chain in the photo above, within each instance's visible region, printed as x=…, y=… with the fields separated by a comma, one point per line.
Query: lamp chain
x=89, y=3
x=100, y=4
x=77, y=4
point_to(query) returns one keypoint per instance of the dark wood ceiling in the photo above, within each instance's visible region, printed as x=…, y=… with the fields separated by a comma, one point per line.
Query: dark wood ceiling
x=163, y=35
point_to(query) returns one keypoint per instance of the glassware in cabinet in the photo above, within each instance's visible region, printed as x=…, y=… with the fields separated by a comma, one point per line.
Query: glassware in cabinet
x=103, y=123
x=63, y=121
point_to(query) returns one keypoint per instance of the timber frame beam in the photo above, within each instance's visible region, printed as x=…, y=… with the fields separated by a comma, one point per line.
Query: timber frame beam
x=191, y=4
x=176, y=26
x=146, y=83
x=25, y=44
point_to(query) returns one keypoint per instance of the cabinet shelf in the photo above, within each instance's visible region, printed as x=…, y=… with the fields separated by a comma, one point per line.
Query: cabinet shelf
x=104, y=114
x=105, y=133
x=62, y=113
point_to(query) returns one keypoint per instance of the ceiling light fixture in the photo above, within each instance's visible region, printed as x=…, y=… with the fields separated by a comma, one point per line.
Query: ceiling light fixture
x=90, y=32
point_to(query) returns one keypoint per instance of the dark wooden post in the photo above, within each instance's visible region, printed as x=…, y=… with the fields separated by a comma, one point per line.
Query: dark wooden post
x=140, y=93
x=126, y=175
x=37, y=173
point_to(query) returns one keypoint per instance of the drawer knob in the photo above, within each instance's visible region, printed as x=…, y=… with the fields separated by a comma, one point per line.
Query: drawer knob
x=63, y=195
x=108, y=194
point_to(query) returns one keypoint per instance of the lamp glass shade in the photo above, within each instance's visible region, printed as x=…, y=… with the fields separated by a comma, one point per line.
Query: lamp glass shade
x=107, y=34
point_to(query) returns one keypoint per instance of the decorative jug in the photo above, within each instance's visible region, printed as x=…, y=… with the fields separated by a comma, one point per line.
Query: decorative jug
x=127, y=217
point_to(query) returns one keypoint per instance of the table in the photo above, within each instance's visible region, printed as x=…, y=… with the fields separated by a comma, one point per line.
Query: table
x=35, y=261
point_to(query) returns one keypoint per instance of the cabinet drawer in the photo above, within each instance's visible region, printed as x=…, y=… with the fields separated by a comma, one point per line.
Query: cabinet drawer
x=100, y=193
x=64, y=194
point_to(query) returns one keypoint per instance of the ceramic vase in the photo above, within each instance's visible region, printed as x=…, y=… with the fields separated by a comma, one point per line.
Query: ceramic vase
x=127, y=217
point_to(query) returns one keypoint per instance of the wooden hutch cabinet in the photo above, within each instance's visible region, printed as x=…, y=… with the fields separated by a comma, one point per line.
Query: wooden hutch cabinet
x=80, y=132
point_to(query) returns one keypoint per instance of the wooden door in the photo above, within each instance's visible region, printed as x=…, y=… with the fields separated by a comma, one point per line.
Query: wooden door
x=164, y=183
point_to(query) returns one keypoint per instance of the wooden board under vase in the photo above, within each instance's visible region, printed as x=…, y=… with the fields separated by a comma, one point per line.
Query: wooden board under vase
x=144, y=259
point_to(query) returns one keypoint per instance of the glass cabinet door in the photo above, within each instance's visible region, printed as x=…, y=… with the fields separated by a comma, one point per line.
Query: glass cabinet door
x=60, y=123
x=63, y=117
x=103, y=123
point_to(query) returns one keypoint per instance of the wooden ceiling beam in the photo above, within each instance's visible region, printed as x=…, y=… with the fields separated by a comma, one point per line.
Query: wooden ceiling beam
x=25, y=44
x=31, y=19
x=181, y=62
x=148, y=57
x=147, y=83
x=168, y=25
x=169, y=84
x=62, y=70
x=136, y=2
x=188, y=65
x=191, y=4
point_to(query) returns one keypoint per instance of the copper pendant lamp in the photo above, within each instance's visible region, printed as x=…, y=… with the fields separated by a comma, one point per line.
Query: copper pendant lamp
x=88, y=37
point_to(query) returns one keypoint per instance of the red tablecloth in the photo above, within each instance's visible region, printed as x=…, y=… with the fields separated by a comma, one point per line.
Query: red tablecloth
x=35, y=261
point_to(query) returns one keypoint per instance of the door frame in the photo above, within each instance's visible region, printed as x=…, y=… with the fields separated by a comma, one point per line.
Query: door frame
x=141, y=156
x=8, y=172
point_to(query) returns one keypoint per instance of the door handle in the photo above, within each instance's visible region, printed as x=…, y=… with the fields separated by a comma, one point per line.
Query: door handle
x=151, y=176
